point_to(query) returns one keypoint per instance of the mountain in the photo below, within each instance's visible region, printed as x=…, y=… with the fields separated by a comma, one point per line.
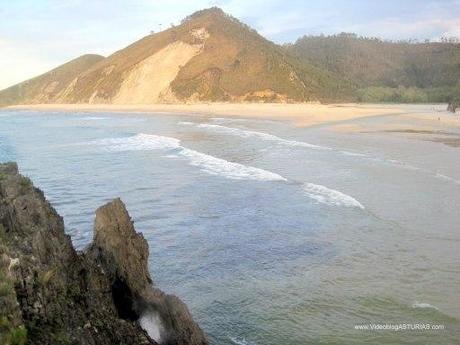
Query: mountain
x=210, y=56
x=374, y=65
x=46, y=87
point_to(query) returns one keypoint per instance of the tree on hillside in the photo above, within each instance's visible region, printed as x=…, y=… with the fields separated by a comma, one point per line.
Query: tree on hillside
x=454, y=102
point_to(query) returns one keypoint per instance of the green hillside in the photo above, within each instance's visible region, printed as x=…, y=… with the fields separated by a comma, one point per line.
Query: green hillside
x=386, y=71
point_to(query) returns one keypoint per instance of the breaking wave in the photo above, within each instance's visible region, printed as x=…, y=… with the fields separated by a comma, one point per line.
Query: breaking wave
x=242, y=341
x=95, y=118
x=217, y=166
x=152, y=324
x=269, y=137
x=244, y=133
x=138, y=142
x=232, y=120
x=424, y=306
x=329, y=196
x=447, y=178
x=207, y=163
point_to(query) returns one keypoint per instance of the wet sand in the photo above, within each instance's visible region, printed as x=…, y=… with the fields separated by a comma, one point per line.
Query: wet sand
x=300, y=114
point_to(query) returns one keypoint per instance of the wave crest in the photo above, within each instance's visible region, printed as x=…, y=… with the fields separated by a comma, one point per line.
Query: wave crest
x=329, y=196
x=207, y=163
x=138, y=142
x=242, y=341
x=244, y=133
x=424, y=306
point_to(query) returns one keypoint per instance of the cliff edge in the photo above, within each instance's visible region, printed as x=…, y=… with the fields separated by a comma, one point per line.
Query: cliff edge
x=52, y=294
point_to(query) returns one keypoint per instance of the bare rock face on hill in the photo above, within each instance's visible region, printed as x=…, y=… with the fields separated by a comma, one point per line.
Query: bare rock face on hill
x=52, y=294
x=210, y=56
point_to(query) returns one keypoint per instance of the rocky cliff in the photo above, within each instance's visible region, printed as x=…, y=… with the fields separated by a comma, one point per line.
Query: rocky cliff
x=52, y=294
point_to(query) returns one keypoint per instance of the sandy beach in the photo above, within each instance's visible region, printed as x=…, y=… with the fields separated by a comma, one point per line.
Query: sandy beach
x=299, y=114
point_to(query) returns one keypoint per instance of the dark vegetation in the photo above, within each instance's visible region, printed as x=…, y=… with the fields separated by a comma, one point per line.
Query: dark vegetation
x=386, y=71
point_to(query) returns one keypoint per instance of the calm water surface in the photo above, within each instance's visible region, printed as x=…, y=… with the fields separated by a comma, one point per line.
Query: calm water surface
x=271, y=234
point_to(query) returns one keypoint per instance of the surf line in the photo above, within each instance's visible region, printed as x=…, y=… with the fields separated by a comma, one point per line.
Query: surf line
x=220, y=167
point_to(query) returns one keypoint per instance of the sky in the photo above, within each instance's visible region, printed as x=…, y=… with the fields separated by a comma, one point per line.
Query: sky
x=37, y=35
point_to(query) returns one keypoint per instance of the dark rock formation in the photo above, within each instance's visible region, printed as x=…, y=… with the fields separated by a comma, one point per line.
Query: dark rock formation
x=123, y=254
x=52, y=294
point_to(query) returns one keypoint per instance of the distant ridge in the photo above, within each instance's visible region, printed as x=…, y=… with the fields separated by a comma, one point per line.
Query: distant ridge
x=210, y=56
x=213, y=57
x=425, y=71
x=45, y=88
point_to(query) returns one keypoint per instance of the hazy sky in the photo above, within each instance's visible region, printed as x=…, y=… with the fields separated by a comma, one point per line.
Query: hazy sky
x=36, y=35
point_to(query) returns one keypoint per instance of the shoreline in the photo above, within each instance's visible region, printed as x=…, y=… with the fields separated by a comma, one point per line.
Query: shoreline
x=301, y=114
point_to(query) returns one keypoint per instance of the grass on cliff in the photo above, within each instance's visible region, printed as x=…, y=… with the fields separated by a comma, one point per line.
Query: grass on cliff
x=9, y=334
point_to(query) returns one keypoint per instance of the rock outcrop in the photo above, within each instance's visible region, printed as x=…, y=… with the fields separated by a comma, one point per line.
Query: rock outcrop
x=52, y=294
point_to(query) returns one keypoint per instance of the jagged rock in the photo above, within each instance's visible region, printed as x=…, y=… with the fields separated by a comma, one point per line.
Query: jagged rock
x=52, y=294
x=123, y=254
x=123, y=251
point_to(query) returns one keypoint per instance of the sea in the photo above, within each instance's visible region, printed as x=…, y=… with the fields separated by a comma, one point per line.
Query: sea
x=271, y=233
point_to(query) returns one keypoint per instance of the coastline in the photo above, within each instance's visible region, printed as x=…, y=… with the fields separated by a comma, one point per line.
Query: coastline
x=375, y=178
x=300, y=114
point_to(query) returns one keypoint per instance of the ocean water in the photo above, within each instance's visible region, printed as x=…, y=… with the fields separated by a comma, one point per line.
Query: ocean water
x=272, y=234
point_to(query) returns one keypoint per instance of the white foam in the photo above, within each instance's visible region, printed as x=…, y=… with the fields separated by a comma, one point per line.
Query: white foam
x=152, y=324
x=244, y=133
x=241, y=341
x=269, y=137
x=236, y=171
x=95, y=118
x=424, y=305
x=230, y=120
x=139, y=142
x=226, y=119
x=209, y=164
x=186, y=123
x=352, y=154
x=447, y=178
x=329, y=196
